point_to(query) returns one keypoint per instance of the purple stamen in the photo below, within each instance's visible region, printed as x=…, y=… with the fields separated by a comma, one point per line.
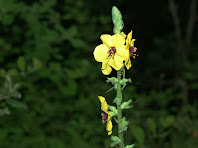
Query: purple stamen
x=104, y=117
x=112, y=50
x=131, y=50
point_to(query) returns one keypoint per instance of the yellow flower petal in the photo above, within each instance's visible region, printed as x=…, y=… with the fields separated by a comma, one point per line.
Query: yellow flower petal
x=109, y=127
x=122, y=52
x=106, y=69
x=116, y=62
x=128, y=40
x=118, y=40
x=104, y=64
x=101, y=53
x=104, y=106
x=107, y=40
x=132, y=42
x=128, y=64
x=129, y=36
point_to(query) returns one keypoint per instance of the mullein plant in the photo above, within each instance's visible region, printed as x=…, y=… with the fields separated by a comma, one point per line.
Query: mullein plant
x=115, y=53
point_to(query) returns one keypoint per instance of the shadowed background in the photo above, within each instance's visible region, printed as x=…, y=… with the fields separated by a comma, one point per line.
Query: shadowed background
x=49, y=80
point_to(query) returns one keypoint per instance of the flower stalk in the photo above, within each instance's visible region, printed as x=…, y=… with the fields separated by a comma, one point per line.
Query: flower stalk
x=118, y=26
x=119, y=96
x=114, y=53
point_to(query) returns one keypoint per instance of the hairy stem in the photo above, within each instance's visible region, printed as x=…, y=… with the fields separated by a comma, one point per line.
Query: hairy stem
x=119, y=95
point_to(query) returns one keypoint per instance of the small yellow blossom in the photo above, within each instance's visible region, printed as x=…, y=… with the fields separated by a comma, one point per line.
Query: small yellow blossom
x=111, y=53
x=130, y=47
x=106, y=114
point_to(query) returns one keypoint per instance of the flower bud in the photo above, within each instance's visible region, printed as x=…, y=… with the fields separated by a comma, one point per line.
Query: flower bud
x=117, y=20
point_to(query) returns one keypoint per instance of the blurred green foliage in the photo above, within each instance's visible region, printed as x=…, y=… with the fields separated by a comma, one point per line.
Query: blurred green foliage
x=46, y=49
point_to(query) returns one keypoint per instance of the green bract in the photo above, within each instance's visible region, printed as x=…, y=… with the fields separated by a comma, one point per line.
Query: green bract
x=113, y=80
x=124, y=124
x=126, y=105
x=117, y=101
x=113, y=109
x=115, y=140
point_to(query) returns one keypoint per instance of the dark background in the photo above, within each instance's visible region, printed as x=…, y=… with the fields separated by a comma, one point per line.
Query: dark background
x=49, y=80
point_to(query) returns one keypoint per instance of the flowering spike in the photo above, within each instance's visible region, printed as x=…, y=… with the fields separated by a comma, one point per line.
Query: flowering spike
x=115, y=52
x=117, y=20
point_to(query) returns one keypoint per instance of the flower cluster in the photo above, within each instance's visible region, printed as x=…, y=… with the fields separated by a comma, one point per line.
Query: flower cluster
x=115, y=50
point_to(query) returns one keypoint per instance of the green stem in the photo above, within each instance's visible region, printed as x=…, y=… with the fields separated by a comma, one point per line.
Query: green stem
x=119, y=95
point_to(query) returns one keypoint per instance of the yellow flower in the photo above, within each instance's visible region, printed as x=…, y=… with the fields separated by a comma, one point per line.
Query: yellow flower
x=130, y=47
x=111, y=53
x=106, y=115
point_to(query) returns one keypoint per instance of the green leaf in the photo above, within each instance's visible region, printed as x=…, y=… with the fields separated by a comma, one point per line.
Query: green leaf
x=4, y=111
x=130, y=146
x=7, y=19
x=167, y=121
x=151, y=125
x=170, y=120
x=16, y=104
x=21, y=63
x=12, y=72
x=37, y=64
x=2, y=71
x=77, y=43
x=138, y=133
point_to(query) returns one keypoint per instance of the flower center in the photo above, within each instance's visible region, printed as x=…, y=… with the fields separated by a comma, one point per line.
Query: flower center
x=132, y=51
x=104, y=117
x=112, y=50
